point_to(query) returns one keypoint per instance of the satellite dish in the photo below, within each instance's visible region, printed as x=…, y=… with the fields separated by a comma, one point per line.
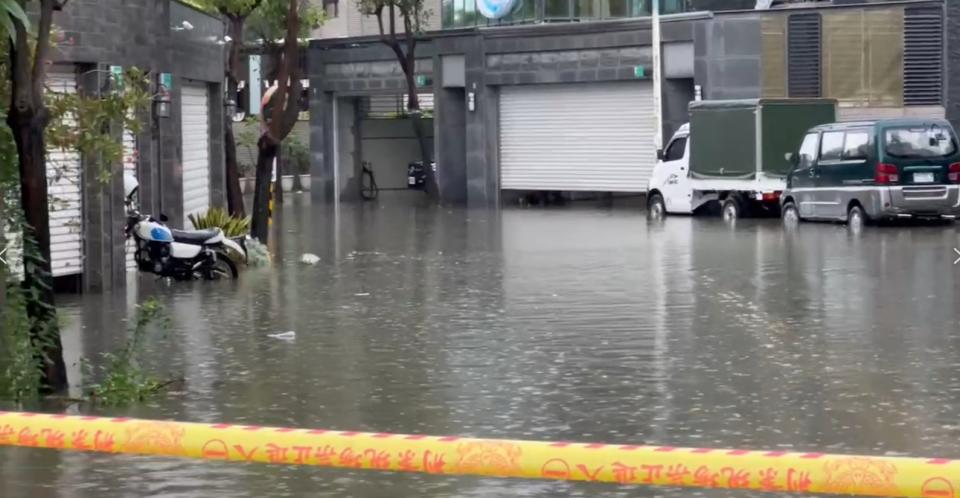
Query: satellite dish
x=496, y=9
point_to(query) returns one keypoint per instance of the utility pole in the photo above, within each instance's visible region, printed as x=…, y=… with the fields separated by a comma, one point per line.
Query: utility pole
x=657, y=78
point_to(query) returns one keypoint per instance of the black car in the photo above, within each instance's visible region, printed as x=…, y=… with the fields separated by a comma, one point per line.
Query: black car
x=417, y=175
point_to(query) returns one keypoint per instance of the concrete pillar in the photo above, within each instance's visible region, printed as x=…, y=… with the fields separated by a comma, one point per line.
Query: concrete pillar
x=103, y=208
x=170, y=193
x=218, y=167
x=482, y=165
x=450, y=109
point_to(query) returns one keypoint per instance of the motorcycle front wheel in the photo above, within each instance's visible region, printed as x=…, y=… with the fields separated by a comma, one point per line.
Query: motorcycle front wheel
x=223, y=268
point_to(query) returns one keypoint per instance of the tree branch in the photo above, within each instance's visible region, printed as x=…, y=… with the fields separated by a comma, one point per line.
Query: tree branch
x=285, y=101
x=42, y=50
x=379, y=13
x=393, y=22
x=20, y=68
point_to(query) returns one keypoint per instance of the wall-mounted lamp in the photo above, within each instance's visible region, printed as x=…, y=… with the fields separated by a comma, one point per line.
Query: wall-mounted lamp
x=161, y=105
x=231, y=108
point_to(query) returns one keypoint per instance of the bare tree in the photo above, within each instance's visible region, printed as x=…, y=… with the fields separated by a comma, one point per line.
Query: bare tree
x=413, y=16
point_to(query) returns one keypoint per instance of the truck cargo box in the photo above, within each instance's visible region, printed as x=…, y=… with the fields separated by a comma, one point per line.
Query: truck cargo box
x=744, y=139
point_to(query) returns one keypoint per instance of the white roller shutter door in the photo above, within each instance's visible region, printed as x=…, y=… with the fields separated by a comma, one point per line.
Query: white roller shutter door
x=579, y=137
x=196, y=151
x=63, y=189
x=130, y=162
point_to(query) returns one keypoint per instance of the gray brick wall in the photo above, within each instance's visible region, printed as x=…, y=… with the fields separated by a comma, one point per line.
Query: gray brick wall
x=567, y=66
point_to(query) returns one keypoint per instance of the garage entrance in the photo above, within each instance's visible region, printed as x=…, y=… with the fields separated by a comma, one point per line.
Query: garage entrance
x=376, y=132
x=596, y=137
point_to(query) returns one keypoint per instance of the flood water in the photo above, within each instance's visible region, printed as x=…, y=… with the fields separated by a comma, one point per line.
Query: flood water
x=584, y=323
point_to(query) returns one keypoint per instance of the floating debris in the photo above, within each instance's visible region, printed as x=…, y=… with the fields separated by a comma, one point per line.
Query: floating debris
x=310, y=259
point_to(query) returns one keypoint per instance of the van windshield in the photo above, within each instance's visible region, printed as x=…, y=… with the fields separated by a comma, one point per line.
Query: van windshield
x=920, y=141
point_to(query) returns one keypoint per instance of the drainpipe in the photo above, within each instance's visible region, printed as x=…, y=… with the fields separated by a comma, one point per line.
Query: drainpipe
x=657, y=78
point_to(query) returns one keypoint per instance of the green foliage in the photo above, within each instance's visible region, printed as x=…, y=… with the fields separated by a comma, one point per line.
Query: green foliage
x=246, y=136
x=296, y=155
x=269, y=22
x=236, y=8
x=232, y=226
x=21, y=377
x=412, y=14
x=84, y=123
x=20, y=380
x=124, y=381
x=10, y=11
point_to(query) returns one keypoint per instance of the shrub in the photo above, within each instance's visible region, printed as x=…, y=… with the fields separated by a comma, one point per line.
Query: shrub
x=232, y=226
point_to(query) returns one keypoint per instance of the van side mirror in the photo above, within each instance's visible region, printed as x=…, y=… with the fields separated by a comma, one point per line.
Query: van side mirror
x=789, y=157
x=164, y=218
x=659, y=154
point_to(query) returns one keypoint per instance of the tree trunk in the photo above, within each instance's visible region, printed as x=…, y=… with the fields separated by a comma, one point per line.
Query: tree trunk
x=260, y=226
x=27, y=126
x=234, y=195
x=278, y=181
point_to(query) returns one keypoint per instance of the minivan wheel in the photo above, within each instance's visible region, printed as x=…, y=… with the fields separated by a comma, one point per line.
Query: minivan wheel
x=731, y=209
x=656, y=207
x=856, y=218
x=791, y=215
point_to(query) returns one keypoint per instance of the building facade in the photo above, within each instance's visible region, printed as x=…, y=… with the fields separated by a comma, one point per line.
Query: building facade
x=568, y=106
x=178, y=157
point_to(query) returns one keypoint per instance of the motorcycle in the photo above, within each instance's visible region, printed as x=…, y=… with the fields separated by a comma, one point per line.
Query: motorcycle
x=178, y=254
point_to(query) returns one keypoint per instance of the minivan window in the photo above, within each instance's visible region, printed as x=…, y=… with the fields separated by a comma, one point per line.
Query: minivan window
x=676, y=149
x=808, y=151
x=832, y=146
x=915, y=141
x=856, y=145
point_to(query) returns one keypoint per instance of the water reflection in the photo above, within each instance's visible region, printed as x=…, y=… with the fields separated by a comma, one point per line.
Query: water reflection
x=574, y=324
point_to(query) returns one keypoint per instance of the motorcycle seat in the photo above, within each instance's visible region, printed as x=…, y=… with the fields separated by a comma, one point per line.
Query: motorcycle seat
x=195, y=236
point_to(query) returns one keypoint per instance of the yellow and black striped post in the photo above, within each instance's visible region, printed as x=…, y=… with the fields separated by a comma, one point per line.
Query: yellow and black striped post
x=270, y=206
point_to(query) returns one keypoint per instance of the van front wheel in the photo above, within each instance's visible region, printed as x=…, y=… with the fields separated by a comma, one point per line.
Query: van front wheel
x=656, y=207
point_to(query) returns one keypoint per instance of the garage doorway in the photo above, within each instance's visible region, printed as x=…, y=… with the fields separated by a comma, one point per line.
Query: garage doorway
x=376, y=132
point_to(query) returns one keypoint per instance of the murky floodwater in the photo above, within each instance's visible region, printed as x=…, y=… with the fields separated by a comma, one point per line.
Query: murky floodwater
x=588, y=324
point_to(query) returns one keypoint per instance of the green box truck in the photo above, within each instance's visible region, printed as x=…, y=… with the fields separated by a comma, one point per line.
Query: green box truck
x=733, y=152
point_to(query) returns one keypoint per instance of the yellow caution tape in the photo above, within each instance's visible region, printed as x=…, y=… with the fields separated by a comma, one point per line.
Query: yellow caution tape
x=775, y=471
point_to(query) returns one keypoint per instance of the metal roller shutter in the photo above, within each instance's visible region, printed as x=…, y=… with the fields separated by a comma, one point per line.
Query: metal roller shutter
x=130, y=161
x=587, y=137
x=196, y=151
x=63, y=189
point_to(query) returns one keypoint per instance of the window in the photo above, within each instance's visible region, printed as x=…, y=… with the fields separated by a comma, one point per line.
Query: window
x=676, y=150
x=331, y=8
x=856, y=145
x=808, y=151
x=920, y=141
x=832, y=146
x=557, y=10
